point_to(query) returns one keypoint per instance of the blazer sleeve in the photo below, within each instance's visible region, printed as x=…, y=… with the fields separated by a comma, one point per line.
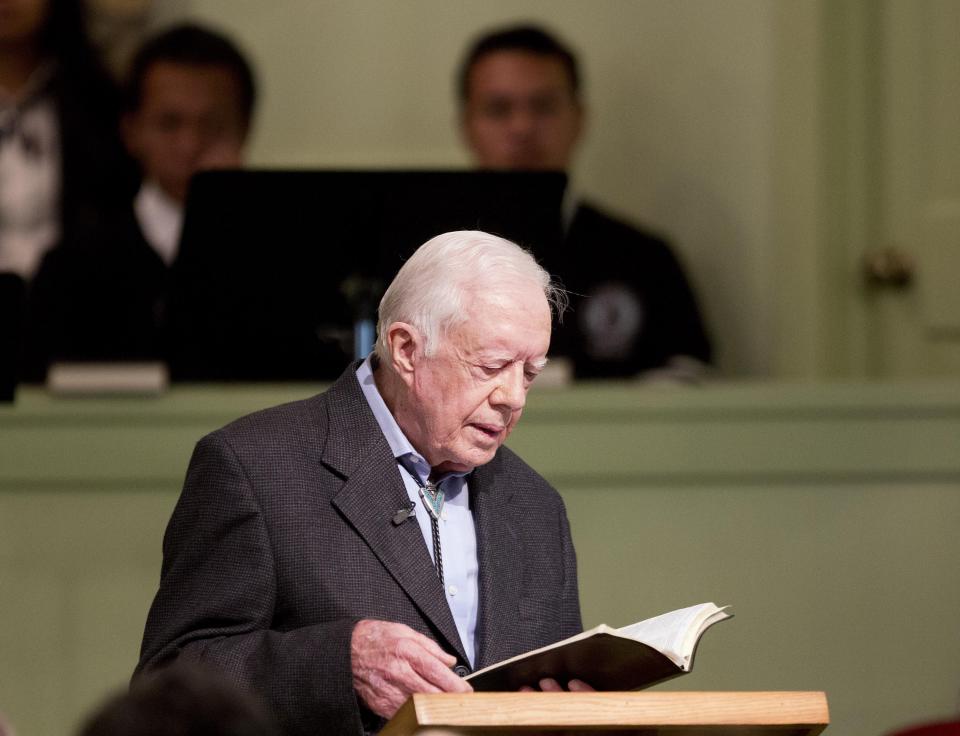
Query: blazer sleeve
x=216, y=601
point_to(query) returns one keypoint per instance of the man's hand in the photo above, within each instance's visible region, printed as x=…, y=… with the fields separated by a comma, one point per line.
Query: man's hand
x=549, y=685
x=392, y=661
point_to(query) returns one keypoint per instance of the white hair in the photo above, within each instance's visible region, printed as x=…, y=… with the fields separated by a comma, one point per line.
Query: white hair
x=431, y=289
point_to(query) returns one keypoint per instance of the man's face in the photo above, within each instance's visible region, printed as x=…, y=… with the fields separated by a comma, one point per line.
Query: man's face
x=521, y=112
x=466, y=398
x=189, y=119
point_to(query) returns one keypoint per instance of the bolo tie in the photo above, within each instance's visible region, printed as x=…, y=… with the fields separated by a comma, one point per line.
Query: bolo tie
x=432, y=497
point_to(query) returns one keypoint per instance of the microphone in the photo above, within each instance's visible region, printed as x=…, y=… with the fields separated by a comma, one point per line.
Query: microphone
x=403, y=514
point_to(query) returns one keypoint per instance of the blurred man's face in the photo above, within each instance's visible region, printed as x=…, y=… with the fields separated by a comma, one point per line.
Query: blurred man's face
x=521, y=112
x=190, y=118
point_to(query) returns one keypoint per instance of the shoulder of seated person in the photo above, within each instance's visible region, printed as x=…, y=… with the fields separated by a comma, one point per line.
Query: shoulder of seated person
x=590, y=216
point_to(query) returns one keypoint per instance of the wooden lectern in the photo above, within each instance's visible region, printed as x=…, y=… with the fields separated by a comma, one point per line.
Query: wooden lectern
x=647, y=713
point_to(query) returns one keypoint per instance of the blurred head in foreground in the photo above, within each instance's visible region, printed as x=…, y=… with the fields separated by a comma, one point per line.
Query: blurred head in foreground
x=181, y=700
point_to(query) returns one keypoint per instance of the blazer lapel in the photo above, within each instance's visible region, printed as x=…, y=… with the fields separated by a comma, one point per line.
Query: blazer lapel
x=371, y=494
x=501, y=566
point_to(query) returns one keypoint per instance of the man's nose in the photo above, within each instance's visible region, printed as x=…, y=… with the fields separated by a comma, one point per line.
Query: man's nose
x=522, y=121
x=189, y=142
x=511, y=390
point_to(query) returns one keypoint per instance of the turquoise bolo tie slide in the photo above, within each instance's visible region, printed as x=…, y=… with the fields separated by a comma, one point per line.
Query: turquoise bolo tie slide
x=432, y=499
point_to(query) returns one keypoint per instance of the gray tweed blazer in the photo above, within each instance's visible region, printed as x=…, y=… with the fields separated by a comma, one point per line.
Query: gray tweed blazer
x=282, y=539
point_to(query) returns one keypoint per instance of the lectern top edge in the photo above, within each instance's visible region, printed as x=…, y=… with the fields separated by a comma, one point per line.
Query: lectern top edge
x=680, y=713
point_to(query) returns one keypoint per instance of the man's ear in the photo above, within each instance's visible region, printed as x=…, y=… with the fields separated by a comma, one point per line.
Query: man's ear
x=405, y=344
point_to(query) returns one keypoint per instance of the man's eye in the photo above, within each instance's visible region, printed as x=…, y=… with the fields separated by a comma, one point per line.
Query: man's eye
x=545, y=106
x=490, y=370
x=213, y=127
x=497, y=109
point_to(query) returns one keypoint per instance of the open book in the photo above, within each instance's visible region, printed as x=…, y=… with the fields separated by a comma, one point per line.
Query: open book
x=628, y=658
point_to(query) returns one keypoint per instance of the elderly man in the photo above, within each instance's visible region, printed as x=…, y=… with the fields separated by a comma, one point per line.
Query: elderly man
x=634, y=312
x=340, y=553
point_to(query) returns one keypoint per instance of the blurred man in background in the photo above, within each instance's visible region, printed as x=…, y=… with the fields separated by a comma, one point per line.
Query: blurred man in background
x=189, y=107
x=633, y=311
x=189, y=104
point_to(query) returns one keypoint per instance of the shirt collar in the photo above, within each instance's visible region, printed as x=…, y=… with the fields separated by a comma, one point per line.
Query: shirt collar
x=399, y=444
x=160, y=218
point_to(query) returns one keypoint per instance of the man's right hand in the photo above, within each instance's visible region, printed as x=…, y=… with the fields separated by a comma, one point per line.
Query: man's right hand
x=391, y=661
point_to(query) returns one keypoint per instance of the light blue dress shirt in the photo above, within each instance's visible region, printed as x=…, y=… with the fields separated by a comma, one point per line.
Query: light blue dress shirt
x=458, y=536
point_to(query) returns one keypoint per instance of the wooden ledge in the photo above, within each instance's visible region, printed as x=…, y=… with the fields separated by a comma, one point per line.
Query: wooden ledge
x=713, y=713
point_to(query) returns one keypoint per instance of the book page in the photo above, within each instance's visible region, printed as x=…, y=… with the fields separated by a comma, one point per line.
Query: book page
x=675, y=634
